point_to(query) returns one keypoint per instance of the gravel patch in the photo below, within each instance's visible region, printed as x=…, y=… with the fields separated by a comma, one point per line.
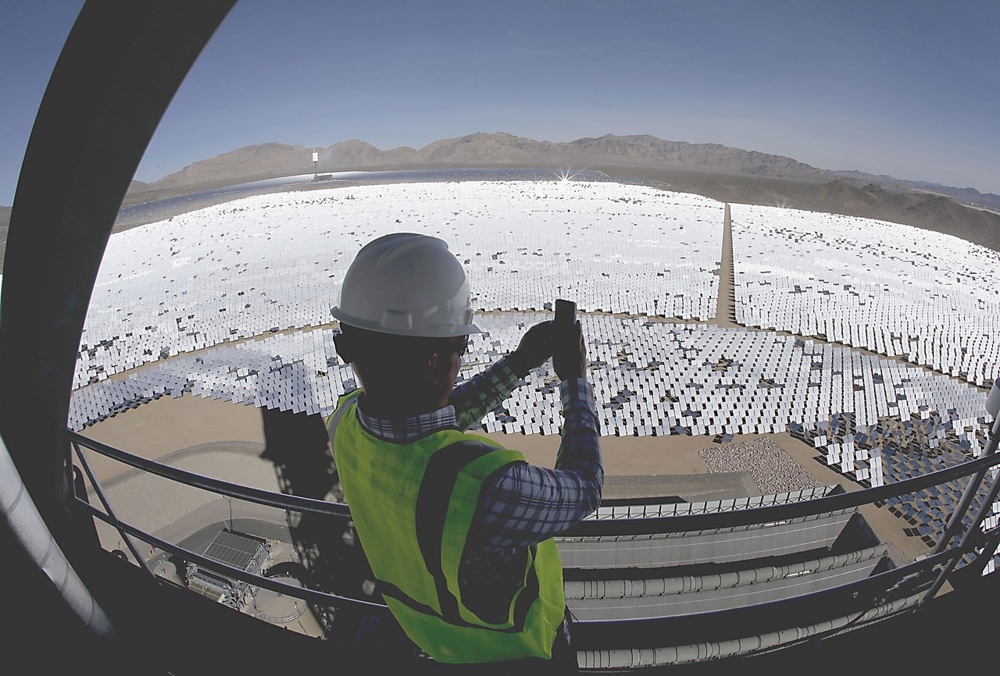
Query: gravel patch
x=770, y=467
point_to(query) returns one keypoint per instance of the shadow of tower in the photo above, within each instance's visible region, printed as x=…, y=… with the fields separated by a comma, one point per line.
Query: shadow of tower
x=297, y=445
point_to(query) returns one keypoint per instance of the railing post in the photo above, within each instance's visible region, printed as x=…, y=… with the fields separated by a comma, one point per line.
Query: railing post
x=107, y=508
x=989, y=548
x=955, y=522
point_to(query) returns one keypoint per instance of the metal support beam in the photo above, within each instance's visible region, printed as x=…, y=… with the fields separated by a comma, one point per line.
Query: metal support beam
x=118, y=71
x=954, y=525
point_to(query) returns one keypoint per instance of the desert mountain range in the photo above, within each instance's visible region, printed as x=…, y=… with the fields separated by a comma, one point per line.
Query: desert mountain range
x=717, y=171
x=499, y=149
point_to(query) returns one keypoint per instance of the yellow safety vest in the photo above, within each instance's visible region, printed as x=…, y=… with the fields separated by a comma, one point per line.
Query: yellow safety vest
x=412, y=506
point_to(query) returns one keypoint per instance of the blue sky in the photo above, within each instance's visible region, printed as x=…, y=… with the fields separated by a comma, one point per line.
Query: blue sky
x=906, y=88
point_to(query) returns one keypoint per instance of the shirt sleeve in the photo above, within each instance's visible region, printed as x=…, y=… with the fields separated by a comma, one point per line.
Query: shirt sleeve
x=476, y=397
x=528, y=504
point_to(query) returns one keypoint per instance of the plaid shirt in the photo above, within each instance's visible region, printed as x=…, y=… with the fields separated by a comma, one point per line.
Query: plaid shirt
x=525, y=504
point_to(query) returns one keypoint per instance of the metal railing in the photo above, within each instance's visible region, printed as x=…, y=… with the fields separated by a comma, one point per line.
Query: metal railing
x=915, y=580
x=590, y=528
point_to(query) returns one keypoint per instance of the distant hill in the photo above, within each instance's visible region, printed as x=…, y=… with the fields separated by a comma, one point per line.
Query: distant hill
x=969, y=196
x=717, y=171
x=923, y=210
x=271, y=160
x=245, y=164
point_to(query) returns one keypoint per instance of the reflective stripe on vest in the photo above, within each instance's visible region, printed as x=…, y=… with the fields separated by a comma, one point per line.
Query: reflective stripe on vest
x=413, y=505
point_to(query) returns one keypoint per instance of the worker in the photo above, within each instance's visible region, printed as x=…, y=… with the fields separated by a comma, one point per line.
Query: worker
x=457, y=529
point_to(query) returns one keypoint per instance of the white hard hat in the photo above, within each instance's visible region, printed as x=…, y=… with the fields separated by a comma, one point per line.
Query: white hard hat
x=407, y=285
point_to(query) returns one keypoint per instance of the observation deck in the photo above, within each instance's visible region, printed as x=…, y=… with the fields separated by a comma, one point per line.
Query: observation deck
x=652, y=584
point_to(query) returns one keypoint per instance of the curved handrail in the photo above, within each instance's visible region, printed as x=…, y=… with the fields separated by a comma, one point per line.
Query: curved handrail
x=326, y=598
x=890, y=582
x=293, y=502
x=593, y=528
x=783, y=512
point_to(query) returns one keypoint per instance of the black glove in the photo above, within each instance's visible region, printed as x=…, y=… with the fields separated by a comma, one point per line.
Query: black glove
x=534, y=349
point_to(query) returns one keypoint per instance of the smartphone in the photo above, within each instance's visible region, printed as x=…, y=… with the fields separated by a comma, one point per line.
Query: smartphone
x=565, y=313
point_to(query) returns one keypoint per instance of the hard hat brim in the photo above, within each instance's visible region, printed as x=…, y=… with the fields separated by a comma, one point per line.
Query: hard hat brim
x=441, y=331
